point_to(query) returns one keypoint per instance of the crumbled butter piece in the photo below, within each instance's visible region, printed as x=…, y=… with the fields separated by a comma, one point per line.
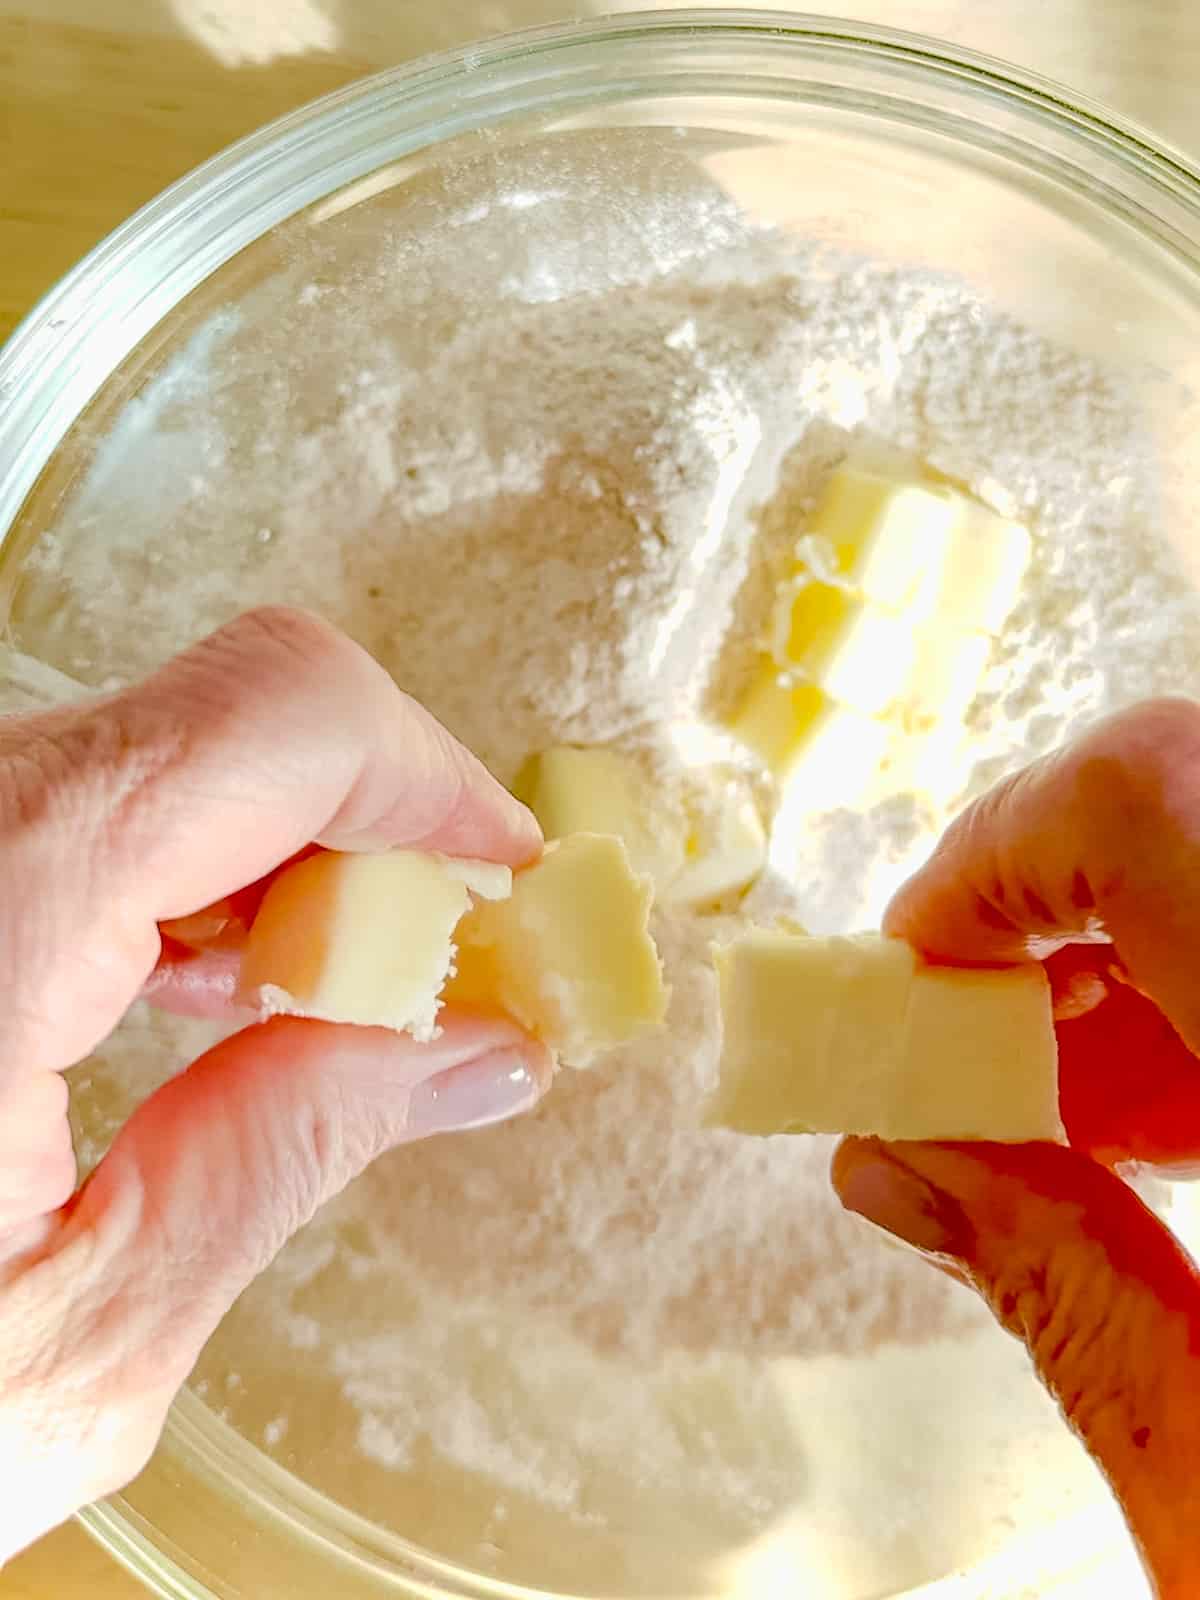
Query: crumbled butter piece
x=563, y=948
x=569, y=955
x=858, y=1036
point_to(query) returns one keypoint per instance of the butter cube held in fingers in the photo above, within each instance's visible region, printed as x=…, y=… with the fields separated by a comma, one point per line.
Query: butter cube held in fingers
x=365, y=939
x=859, y=1036
x=386, y=940
x=992, y=1032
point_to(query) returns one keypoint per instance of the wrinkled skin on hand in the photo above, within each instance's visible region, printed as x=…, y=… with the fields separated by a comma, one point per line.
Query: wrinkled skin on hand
x=136, y=835
x=1099, y=843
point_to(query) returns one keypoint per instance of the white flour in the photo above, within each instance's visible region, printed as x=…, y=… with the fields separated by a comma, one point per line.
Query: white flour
x=560, y=520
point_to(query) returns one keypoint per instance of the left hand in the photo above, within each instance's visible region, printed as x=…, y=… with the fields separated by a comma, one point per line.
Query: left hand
x=160, y=806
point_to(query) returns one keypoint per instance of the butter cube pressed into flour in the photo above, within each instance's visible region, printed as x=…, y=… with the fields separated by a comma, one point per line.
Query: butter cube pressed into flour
x=697, y=846
x=571, y=789
x=385, y=940
x=859, y=1036
x=857, y=653
x=882, y=634
x=826, y=752
x=883, y=535
x=569, y=955
x=363, y=938
x=726, y=846
x=976, y=584
x=923, y=548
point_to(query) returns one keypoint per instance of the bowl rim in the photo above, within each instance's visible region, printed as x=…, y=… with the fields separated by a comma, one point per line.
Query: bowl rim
x=64, y=350
x=204, y=203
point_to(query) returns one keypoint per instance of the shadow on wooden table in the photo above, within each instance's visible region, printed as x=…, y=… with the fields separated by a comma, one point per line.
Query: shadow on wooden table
x=68, y=1565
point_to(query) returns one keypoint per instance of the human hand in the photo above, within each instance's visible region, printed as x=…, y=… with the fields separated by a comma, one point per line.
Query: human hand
x=161, y=806
x=1098, y=842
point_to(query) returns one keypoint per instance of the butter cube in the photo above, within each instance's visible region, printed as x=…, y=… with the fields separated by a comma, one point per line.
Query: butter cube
x=934, y=765
x=826, y=753
x=982, y=1055
x=976, y=585
x=595, y=790
x=726, y=849
x=884, y=536
x=856, y=652
x=363, y=939
x=787, y=1001
x=696, y=849
x=909, y=582
x=568, y=955
x=857, y=1036
x=944, y=677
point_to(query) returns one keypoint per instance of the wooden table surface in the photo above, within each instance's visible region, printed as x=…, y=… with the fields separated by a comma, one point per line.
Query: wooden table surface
x=103, y=102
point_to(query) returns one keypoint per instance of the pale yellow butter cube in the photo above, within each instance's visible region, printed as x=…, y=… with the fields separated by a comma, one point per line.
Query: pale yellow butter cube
x=981, y=1058
x=571, y=789
x=979, y=581
x=944, y=679
x=824, y=754
x=884, y=535
x=859, y=654
x=569, y=955
x=776, y=718
x=364, y=939
x=935, y=765
x=766, y=986
x=697, y=846
x=875, y=994
x=856, y=1036
x=726, y=849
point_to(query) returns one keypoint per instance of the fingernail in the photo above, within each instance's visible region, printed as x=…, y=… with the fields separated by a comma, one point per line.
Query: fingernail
x=472, y=1095
x=892, y=1197
x=361, y=842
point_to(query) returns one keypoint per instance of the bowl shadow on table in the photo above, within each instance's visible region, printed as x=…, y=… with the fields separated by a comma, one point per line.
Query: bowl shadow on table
x=167, y=84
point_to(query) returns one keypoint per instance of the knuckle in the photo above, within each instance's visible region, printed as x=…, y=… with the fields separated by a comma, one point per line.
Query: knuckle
x=292, y=638
x=1085, y=1336
x=274, y=664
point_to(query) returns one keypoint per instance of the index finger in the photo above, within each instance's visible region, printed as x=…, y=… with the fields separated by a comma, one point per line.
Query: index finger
x=1101, y=838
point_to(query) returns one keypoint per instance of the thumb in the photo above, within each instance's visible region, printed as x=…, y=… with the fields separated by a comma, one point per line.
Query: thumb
x=1104, y=1298
x=199, y=1191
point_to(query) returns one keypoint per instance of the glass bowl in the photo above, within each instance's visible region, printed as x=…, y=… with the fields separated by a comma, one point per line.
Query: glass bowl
x=863, y=140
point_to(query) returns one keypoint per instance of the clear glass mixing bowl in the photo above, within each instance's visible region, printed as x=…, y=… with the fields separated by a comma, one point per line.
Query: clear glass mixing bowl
x=871, y=141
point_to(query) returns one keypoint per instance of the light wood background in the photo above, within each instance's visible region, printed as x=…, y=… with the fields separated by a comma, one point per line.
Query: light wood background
x=103, y=102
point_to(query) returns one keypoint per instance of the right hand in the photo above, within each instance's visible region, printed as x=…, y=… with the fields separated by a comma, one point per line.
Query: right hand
x=1099, y=842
